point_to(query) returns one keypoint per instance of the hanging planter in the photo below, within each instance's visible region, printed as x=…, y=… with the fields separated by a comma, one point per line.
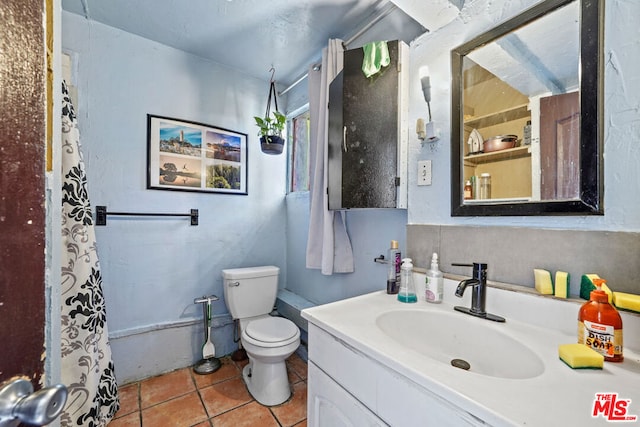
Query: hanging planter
x=271, y=127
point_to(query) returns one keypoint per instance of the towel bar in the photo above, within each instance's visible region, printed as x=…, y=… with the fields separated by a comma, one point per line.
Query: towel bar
x=101, y=215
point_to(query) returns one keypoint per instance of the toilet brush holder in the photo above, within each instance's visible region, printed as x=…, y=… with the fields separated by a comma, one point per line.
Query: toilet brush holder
x=209, y=363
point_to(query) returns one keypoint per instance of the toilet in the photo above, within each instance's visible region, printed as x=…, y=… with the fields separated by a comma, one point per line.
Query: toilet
x=250, y=294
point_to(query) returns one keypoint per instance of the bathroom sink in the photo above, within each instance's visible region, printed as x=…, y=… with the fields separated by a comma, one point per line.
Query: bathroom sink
x=461, y=341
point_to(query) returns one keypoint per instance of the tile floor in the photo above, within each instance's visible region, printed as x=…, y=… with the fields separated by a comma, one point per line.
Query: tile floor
x=183, y=398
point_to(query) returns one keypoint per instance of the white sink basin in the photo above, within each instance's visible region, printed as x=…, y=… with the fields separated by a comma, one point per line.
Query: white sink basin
x=445, y=336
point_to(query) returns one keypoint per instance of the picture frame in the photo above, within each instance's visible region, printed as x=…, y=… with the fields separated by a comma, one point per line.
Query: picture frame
x=190, y=156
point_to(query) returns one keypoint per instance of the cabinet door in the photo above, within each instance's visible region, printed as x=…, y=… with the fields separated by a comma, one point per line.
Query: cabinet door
x=329, y=405
x=364, y=149
x=560, y=147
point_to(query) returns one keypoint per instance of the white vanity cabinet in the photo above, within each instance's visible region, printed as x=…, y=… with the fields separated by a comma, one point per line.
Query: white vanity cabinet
x=348, y=388
x=332, y=406
x=367, y=371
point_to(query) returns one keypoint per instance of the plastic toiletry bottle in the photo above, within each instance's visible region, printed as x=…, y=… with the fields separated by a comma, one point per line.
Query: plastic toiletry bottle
x=526, y=138
x=468, y=190
x=407, y=292
x=434, y=281
x=600, y=325
x=393, y=275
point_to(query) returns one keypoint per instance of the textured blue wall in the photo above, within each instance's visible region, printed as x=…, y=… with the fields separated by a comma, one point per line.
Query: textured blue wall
x=154, y=268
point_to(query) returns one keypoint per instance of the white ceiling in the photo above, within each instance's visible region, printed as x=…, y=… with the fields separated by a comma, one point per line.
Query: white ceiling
x=253, y=35
x=535, y=60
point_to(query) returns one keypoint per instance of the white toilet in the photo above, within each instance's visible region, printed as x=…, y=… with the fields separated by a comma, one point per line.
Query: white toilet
x=250, y=294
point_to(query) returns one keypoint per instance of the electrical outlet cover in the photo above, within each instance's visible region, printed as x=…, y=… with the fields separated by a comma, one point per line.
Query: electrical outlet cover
x=424, y=172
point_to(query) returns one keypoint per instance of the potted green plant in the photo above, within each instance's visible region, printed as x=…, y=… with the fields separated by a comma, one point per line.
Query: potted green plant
x=271, y=127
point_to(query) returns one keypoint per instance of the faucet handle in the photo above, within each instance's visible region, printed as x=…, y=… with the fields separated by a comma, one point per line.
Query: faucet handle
x=479, y=269
x=480, y=265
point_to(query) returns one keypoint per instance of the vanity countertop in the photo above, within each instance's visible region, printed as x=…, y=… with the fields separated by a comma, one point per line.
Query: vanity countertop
x=558, y=396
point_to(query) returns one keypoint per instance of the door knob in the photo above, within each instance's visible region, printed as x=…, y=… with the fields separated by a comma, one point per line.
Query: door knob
x=18, y=403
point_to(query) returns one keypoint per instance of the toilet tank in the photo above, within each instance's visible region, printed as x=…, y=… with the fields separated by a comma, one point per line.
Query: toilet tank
x=251, y=291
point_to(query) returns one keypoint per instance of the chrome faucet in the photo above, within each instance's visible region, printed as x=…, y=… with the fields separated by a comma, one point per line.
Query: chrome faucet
x=479, y=295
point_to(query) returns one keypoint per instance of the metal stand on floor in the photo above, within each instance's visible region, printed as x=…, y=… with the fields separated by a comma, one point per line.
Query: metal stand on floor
x=209, y=362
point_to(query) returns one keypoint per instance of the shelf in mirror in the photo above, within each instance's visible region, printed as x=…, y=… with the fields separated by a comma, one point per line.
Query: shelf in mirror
x=510, y=153
x=497, y=200
x=513, y=113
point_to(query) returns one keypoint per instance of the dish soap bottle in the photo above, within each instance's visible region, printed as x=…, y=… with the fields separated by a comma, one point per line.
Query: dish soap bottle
x=407, y=292
x=600, y=325
x=434, y=281
x=393, y=275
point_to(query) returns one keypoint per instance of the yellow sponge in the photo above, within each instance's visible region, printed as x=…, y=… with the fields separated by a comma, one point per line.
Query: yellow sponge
x=561, y=285
x=579, y=356
x=626, y=301
x=543, y=281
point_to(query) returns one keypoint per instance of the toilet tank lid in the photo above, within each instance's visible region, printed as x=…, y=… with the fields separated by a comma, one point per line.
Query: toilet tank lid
x=250, y=272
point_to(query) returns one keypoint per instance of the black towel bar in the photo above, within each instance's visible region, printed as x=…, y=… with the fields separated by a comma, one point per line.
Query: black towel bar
x=101, y=215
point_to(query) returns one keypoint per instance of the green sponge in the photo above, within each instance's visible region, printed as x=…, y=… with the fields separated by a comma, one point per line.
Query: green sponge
x=543, y=282
x=561, y=285
x=579, y=356
x=587, y=285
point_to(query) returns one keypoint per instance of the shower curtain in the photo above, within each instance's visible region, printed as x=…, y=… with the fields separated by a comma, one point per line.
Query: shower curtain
x=87, y=368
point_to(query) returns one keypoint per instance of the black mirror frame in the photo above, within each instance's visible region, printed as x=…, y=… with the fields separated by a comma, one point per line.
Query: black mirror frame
x=591, y=117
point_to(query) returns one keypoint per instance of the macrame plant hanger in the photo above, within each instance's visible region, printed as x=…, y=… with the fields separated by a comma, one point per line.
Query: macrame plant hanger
x=271, y=140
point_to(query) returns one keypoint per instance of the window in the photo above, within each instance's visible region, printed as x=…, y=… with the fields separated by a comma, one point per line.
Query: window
x=299, y=149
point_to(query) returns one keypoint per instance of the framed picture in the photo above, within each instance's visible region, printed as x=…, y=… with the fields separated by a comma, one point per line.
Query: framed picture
x=190, y=156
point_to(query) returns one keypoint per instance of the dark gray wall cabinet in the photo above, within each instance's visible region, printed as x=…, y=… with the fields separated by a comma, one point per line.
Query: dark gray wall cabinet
x=368, y=133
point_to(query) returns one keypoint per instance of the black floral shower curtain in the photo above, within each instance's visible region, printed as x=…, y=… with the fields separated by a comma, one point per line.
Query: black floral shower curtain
x=87, y=368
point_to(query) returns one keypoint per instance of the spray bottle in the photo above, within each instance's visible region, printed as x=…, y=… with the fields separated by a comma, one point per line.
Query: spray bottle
x=434, y=281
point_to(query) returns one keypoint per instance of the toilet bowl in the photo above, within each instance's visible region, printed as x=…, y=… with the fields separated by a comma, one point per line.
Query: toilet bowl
x=250, y=294
x=268, y=342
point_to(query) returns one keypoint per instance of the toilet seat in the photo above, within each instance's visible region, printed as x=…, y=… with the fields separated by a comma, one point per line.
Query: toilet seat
x=271, y=332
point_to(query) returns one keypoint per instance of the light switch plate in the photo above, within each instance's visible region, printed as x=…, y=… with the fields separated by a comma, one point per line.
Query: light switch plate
x=424, y=172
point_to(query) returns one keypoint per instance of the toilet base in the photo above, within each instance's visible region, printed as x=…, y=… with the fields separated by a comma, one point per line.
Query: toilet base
x=268, y=383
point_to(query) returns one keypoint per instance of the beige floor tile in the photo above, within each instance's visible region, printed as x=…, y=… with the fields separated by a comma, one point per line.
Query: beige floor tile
x=295, y=409
x=298, y=365
x=224, y=396
x=292, y=375
x=241, y=363
x=182, y=411
x=185, y=399
x=131, y=420
x=250, y=415
x=227, y=370
x=164, y=387
x=129, y=399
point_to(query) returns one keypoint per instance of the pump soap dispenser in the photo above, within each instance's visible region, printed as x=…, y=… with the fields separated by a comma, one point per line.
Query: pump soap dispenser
x=600, y=325
x=407, y=291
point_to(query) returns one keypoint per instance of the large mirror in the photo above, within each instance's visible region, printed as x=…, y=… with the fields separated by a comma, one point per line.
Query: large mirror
x=527, y=114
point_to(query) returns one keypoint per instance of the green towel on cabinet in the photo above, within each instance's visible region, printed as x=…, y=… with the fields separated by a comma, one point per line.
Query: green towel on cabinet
x=376, y=56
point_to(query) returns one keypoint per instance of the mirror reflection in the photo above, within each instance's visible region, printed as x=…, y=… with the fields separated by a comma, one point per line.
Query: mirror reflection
x=518, y=127
x=521, y=113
